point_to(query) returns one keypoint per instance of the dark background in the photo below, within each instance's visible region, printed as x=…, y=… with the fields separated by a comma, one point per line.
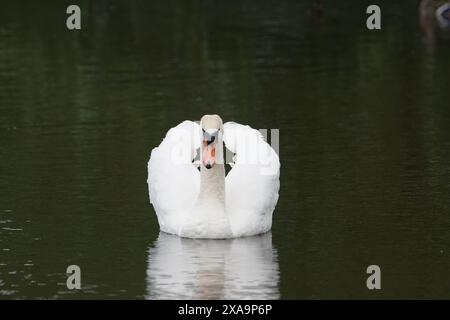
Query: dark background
x=364, y=133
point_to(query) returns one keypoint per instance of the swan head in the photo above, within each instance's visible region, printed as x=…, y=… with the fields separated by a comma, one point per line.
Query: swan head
x=212, y=129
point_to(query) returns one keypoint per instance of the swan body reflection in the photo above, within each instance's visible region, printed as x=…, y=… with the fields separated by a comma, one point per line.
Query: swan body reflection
x=241, y=268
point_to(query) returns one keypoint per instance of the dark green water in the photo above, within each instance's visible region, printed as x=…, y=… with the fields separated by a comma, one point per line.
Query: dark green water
x=364, y=146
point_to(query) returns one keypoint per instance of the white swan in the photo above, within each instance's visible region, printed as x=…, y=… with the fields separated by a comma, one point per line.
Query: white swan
x=206, y=204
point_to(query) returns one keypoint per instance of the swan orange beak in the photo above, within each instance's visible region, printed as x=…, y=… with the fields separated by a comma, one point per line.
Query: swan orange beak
x=209, y=155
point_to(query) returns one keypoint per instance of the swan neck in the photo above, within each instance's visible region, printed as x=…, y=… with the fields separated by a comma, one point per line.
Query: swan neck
x=212, y=181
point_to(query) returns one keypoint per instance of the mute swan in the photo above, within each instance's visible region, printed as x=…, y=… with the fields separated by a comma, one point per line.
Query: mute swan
x=206, y=204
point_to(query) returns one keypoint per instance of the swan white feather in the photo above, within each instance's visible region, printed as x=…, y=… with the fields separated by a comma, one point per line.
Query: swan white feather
x=251, y=186
x=172, y=179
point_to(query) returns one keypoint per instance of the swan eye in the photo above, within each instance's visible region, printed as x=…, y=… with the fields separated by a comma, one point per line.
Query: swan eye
x=210, y=136
x=212, y=140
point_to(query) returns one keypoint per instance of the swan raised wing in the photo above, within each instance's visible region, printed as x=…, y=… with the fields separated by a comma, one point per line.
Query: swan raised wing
x=173, y=180
x=253, y=183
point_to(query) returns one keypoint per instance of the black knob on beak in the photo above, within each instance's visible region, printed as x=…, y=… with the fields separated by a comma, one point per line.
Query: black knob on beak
x=210, y=137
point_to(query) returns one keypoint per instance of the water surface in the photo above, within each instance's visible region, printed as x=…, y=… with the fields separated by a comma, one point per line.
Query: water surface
x=364, y=134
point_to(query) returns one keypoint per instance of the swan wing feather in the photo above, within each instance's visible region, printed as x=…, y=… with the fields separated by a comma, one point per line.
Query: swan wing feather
x=173, y=180
x=253, y=183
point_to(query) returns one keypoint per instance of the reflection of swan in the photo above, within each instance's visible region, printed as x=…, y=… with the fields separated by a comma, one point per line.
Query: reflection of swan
x=205, y=204
x=242, y=268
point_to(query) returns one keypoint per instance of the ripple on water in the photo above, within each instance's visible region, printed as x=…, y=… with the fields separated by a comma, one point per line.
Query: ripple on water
x=12, y=229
